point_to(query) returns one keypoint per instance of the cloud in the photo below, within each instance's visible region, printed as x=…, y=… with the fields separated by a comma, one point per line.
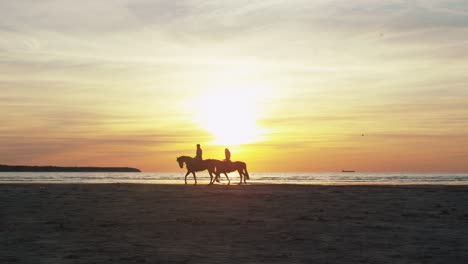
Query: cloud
x=214, y=17
x=116, y=72
x=63, y=16
x=27, y=148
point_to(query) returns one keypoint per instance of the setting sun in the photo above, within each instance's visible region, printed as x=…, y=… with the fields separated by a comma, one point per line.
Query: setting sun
x=229, y=115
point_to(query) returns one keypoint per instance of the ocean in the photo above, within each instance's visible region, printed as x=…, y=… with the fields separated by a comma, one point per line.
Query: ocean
x=332, y=178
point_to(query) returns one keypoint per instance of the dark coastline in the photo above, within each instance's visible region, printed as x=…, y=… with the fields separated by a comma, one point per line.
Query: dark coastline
x=7, y=168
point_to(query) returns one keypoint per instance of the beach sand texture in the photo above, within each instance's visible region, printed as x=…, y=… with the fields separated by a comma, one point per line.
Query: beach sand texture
x=144, y=223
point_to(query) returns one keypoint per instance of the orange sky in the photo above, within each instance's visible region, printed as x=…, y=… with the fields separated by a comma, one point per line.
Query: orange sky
x=286, y=85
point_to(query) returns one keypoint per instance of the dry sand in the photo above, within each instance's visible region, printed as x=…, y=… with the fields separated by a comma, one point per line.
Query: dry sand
x=142, y=223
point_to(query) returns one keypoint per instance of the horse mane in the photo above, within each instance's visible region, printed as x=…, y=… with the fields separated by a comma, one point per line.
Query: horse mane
x=185, y=157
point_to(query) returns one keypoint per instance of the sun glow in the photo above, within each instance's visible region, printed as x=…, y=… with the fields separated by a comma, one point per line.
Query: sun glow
x=230, y=114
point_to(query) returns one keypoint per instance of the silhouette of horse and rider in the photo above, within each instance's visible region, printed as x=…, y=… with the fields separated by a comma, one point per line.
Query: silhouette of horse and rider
x=213, y=166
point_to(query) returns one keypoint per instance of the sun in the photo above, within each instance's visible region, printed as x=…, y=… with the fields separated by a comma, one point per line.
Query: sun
x=230, y=115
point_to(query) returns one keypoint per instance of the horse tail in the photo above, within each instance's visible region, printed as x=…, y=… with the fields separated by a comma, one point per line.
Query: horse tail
x=246, y=172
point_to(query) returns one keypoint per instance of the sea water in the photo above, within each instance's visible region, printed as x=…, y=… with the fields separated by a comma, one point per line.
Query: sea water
x=396, y=178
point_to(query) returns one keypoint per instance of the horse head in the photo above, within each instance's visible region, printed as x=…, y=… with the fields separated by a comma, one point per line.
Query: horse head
x=181, y=161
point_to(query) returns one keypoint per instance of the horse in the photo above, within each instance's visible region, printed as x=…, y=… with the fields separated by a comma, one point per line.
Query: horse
x=230, y=166
x=193, y=165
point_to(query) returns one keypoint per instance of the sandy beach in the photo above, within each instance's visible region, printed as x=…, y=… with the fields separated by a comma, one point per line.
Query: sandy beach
x=144, y=223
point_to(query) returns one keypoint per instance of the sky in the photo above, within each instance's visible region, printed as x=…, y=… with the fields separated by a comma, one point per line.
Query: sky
x=287, y=85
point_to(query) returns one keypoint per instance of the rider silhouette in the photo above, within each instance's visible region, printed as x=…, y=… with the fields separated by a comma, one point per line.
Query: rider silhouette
x=199, y=154
x=227, y=153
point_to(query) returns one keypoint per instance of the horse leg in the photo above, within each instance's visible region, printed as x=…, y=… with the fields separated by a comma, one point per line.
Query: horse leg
x=229, y=181
x=188, y=172
x=211, y=177
x=194, y=177
x=217, y=177
x=240, y=176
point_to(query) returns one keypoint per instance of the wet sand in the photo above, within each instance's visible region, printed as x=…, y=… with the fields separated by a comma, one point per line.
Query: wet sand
x=144, y=223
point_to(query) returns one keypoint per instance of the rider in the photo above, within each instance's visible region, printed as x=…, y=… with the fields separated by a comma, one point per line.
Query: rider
x=199, y=154
x=227, y=153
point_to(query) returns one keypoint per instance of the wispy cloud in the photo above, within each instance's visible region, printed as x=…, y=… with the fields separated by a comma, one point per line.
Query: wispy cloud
x=110, y=74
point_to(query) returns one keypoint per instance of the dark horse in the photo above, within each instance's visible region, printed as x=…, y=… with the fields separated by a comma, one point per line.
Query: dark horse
x=193, y=165
x=228, y=166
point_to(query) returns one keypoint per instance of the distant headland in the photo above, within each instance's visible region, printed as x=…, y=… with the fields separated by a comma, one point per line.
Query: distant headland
x=8, y=168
